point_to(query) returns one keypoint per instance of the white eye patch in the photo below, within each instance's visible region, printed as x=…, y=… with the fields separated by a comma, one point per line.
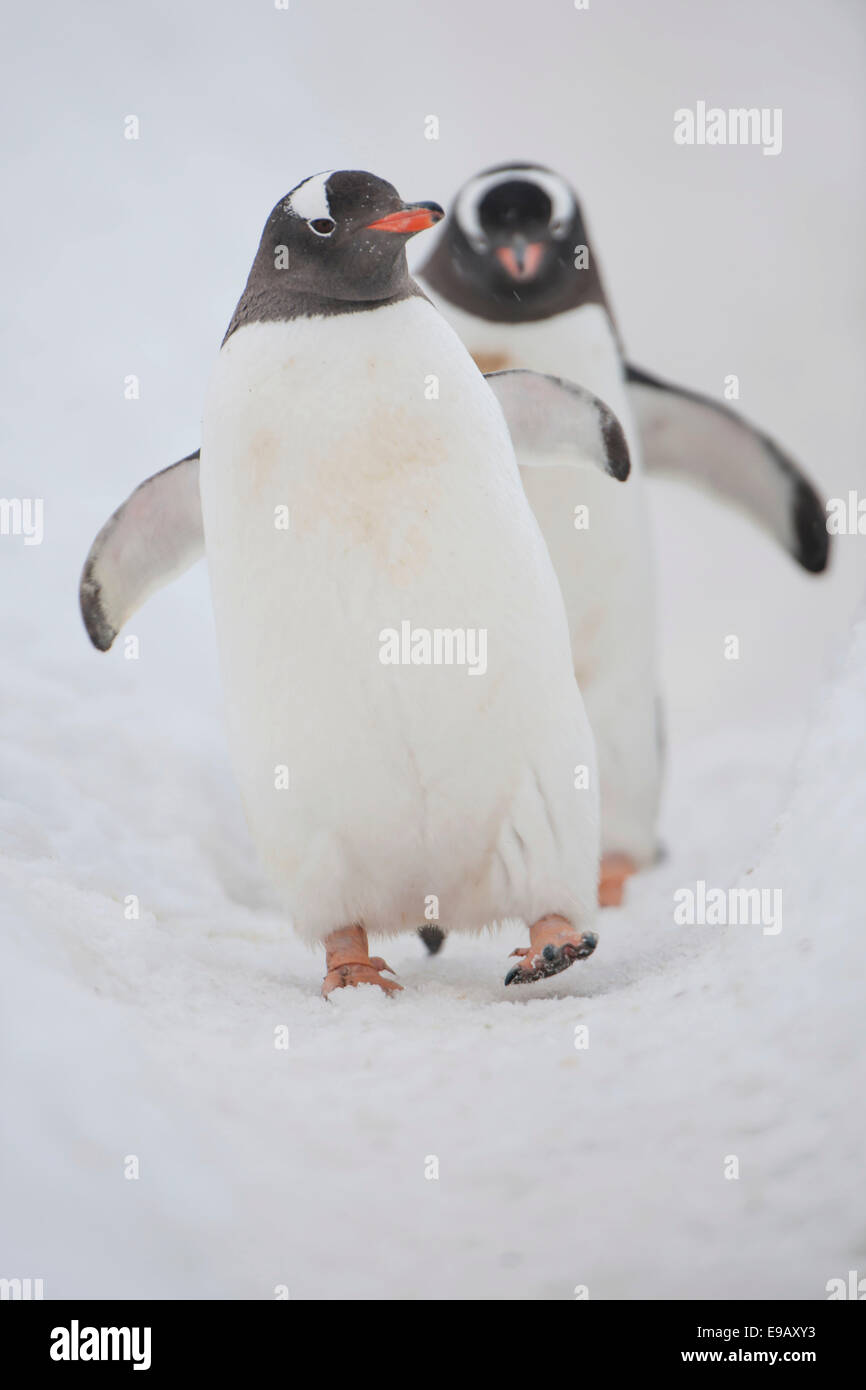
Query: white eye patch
x=472, y=195
x=309, y=200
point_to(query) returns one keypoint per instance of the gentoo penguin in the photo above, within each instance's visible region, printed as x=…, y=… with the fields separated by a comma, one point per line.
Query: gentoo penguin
x=515, y=274
x=402, y=712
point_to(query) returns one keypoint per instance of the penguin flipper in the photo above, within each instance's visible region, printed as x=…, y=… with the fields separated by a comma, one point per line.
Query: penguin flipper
x=547, y=415
x=151, y=539
x=703, y=441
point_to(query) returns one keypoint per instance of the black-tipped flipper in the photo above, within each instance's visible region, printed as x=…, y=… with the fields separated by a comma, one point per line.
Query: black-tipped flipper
x=154, y=537
x=810, y=527
x=549, y=416
x=703, y=441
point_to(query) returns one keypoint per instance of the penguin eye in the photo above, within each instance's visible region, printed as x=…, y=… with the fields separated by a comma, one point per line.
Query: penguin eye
x=322, y=226
x=557, y=227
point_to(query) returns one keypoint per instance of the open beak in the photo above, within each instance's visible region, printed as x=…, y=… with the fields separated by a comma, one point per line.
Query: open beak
x=522, y=258
x=411, y=218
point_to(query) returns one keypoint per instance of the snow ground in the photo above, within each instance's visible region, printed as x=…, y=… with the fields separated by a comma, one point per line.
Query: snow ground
x=306, y=1168
x=259, y=1167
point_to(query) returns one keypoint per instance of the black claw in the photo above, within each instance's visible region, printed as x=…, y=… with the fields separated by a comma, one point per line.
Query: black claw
x=432, y=937
x=553, y=960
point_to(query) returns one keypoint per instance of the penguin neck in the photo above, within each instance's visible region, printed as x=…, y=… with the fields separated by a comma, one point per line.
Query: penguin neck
x=269, y=296
x=525, y=302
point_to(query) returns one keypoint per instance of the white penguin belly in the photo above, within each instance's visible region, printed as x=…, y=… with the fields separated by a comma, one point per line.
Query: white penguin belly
x=371, y=788
x=603, y=564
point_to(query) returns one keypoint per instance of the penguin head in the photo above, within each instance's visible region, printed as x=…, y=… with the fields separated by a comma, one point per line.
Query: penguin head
x=342, y=235
x=510, y=236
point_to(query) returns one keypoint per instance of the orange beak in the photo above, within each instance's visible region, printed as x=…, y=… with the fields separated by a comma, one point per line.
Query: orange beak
x=415, y=217
x=521, y=262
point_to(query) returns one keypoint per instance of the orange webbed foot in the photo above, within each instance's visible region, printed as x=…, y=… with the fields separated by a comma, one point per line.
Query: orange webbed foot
x=555, y=945
x=615, y=869
x=350, y=963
